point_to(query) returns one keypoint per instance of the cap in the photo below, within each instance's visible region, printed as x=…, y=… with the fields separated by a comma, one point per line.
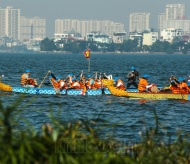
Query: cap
x=116, y=78
x=146, y=76
x=27, y=71
x=181, y=79
x=132, y=68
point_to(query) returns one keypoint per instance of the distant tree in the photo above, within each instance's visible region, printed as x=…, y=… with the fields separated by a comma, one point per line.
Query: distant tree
x=146, y=48
x=160, y=46
x=111, y=47
x=47, y=45
x=73, y=47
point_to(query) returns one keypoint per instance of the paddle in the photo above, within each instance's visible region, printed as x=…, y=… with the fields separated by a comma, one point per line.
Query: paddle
x=166, y=83
x=44, y=79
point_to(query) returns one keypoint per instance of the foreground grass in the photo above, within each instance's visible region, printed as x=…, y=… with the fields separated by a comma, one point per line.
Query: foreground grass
x=79, y=143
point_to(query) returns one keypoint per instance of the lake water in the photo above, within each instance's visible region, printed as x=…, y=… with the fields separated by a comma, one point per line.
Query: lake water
x=120, y=117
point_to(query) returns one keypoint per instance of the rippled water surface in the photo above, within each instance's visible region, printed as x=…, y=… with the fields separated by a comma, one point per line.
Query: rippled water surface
x=119, y=116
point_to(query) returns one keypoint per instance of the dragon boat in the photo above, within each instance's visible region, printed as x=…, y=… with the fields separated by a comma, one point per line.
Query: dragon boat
x=148, y=95
x=52, y=91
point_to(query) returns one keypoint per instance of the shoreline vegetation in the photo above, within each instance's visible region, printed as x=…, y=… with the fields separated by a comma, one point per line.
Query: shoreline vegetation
x=79, y=142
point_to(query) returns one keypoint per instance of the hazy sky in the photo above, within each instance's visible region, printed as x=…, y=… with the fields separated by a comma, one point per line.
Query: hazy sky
x=114, y=10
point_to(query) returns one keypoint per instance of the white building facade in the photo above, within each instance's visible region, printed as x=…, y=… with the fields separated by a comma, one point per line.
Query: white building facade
x=150, y=38
x=175, y=11
x=139, y=22
x=10, y=23
x=86, y=26
x=174, y=17
x=33, y=28
x=169, y=34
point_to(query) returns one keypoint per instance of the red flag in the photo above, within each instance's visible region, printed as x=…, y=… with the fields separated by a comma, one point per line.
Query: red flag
x=87, y=54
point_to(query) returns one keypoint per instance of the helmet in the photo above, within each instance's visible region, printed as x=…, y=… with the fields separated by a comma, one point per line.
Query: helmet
x=74, y=79
x=116, y=78
x=58, y=77
x=146, y=76
x=89, y=75
x=27, y=71
x=70, y=74
x=132, y=68
x=181, y=79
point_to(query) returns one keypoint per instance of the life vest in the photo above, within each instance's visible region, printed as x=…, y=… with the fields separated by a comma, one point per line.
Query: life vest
x=28, y=81
x=54, y=83
x=23, y=79
x=97, y=84
x=182, y=88
x=32, y=82
x=142, y=85
x=75, y=85
x=120, y=84
x=60, y=84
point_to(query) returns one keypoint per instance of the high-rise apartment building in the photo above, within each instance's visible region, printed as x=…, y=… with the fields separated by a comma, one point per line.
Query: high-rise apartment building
x=161, y=21
x=175, y=11
x=86, y=26
x=10, y=23
x=32, y=28
x=174, y=18
x=139, y=22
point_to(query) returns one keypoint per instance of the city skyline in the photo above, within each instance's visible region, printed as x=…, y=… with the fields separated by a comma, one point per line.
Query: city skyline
x=118, y=11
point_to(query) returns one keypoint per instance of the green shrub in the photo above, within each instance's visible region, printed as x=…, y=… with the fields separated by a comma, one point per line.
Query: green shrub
x=79, y=143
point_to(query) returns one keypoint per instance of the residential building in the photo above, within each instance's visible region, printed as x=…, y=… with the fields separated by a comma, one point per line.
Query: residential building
x=149, y=38
x=139, y=22
x=10, y=23
x=87, y=26
x=174, y=18
x=98, y=37
x=32, y=28
x=169, y=34
x=161, y=21
x=119, y=37
x=138, y=36
x=175, y=11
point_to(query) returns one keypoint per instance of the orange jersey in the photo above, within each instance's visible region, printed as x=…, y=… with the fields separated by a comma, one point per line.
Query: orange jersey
x=23, y=79
x=120, y=85
x=75, y=85
x=142, y=85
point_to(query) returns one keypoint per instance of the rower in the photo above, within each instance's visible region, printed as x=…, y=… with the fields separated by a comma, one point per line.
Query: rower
x=143, y=85
x=119, y=84
x=27, y=81
x=75, y=84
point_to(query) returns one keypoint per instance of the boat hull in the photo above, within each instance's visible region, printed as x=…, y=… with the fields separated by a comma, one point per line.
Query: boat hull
x=50, y=91
x=148, y=95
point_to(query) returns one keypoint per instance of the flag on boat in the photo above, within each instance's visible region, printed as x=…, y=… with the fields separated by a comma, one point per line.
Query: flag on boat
x=87, y=54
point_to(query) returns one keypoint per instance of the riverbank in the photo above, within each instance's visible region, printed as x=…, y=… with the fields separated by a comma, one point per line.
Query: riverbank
x=115, y=53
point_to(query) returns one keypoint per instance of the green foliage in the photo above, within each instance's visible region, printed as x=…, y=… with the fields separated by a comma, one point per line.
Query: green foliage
x=47, y=45
x=78, y=142
x=78, y=46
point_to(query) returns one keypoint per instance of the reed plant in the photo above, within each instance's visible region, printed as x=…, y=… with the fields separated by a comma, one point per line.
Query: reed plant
x=77, y=142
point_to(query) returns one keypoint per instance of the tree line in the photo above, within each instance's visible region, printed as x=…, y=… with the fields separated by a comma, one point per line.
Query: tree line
x=127, y=46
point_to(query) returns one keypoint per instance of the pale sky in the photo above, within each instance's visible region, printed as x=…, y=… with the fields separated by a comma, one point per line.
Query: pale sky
x=114, y=10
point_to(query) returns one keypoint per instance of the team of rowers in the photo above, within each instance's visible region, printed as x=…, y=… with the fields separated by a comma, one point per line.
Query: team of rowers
x=179, y=85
